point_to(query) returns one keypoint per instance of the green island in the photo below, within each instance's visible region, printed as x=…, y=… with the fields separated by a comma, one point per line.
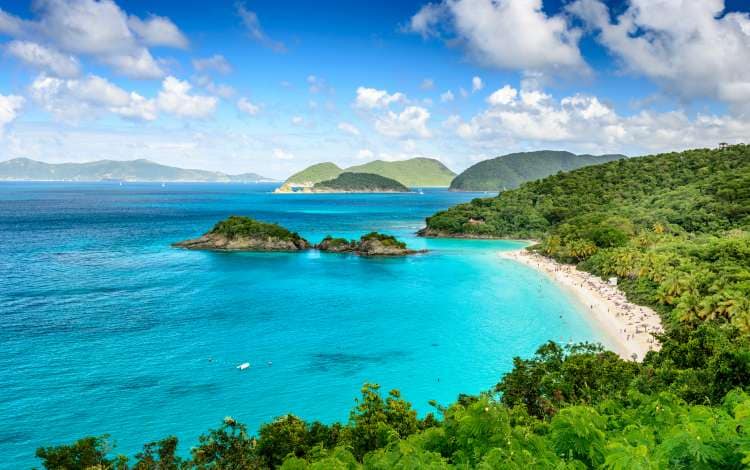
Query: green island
x=674, y=228
x=238, y=233
x=371, y=244
x=359, y=183
x=510, y=171
x=412, y=173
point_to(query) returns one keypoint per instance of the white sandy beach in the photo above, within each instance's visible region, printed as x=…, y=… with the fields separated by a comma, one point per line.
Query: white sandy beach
x=627, y=326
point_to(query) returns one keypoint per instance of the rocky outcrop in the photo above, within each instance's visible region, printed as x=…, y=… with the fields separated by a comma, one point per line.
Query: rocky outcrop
x=219, y=242
x=245, y=234
x=372, y=244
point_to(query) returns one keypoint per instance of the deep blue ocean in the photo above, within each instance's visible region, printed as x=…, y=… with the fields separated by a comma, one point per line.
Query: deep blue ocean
x=107, y=329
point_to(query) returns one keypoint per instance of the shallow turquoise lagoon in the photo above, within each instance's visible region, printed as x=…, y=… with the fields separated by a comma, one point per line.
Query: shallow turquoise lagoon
x=106, y=329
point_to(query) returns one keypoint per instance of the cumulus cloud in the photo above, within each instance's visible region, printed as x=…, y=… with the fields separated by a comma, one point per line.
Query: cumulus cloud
x=175, y=98
x=158, y=31
x=507, y=34
x=372, y=98
x=476, y=84
x=71, y=100
x=45, y=58
x=691, y=48
x=348, y=128
x=427, y=84
x=100, y=29
x=255, y=31
x=9, y=107
x=533, y=117
x=247, y=107
x=411, y=122
x=216, y=63
x=298, y=120
x=503, y=96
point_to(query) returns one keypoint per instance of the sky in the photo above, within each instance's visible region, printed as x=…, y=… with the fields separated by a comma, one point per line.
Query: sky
x=272, y=86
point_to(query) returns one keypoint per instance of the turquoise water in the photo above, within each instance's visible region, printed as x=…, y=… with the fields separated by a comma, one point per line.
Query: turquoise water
x=106, y=329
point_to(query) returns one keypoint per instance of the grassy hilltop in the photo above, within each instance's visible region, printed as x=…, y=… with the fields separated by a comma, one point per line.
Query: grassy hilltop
x=416, y=172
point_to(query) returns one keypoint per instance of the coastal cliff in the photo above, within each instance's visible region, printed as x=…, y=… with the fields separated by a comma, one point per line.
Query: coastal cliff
x=245, y=234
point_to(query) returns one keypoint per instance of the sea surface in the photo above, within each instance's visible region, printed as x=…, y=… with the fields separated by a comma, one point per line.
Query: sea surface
x=106, y=329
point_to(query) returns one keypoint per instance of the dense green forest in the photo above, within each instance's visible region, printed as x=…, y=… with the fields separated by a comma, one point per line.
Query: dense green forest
x=510, y=171
x=239, y=226
x=360, y=182
x=675, y=229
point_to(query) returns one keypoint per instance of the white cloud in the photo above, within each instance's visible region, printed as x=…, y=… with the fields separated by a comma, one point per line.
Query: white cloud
x=216, y=62
x=503, y=96
x=139, y=64
x=281, y=154
x=175, y=98
x=532, y=118
x=99, y=29
x=411, y=122
x=9, y=107
x=447, y=96
x=508, y=34
x=298, y=120
x=158, y=31
x=45, y=58
x=427, y=84
x=255, y=31
x=72, y=100
x=371, y=98
x=219, y=89
x=348, y=128
x=476, y=84
x=246, y=106
x=689, y=47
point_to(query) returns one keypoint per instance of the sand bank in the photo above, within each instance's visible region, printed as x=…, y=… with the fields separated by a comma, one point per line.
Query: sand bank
x=627, y=326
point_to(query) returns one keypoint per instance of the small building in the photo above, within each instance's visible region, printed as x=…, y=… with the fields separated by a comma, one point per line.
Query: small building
x=612, y=281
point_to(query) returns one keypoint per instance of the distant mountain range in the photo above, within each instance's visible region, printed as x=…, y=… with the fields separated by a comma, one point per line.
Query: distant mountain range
x=509, y=171
x=415, y=172
x=20, y=169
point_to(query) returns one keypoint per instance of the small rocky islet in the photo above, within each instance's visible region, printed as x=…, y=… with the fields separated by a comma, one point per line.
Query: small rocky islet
x=238, y=233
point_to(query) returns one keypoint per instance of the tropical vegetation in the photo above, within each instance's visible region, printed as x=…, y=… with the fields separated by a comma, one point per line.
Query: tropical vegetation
x=674, y=229
x=360, y=182
x=236, y=226
x=510, y=171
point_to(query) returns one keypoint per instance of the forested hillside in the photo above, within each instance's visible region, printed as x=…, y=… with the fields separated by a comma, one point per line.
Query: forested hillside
x=510, y=171
x=674, y=229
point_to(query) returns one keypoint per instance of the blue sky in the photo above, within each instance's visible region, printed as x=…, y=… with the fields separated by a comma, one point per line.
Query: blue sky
x=272, y=86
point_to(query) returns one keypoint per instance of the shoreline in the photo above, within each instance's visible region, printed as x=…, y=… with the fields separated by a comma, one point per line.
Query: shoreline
x=628, y=326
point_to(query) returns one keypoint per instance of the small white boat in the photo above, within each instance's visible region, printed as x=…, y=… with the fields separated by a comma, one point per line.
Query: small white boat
x=243, y=366
x=420, y=191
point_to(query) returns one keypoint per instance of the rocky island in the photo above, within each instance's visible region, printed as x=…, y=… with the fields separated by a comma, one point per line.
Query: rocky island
x=372, y=244
x=245, y=234
x=238, y=233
